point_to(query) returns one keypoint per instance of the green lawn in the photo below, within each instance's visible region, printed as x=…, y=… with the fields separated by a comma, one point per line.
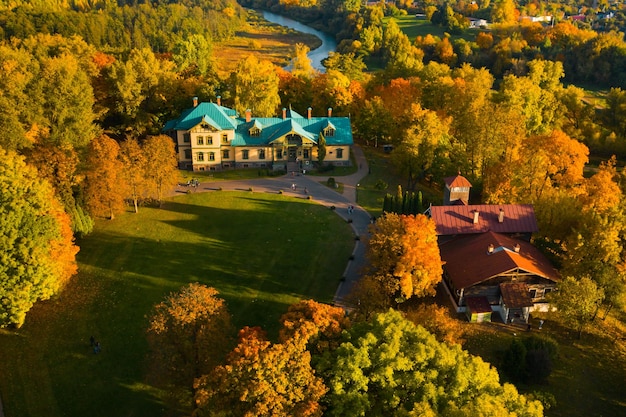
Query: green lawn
x=414, y=27
x=261, y=251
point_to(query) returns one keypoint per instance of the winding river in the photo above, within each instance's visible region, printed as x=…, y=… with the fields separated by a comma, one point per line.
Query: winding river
x=317, y=55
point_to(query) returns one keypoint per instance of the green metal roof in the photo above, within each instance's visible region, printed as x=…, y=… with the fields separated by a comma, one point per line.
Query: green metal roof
x=272, y=128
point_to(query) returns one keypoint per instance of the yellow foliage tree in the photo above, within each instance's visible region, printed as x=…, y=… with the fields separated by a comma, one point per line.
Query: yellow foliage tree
x=404, y=256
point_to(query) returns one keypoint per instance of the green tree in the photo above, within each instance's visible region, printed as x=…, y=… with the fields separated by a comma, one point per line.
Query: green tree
x=389, y=366
x=577, y=302
x=401, y=58
x=38, y=255
x=194, y=55
x=161, y=167
x=189, y=334
x=255, y=87
x=321, y=149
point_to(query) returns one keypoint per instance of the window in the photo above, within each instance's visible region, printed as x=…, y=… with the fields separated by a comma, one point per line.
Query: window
x=279, y=154
x=547, y=291
x=533, y=293
x=255, y=132
x=339, y=153
x=200, y=156
x=244, y=154
x=187, y=153
x=226, y=154
x=261, y=153
x=209, y=140
x=224, y=138
x=186, y=138
x=211, y=156
x=200, y=140
x=305, y=155
x=329, y=132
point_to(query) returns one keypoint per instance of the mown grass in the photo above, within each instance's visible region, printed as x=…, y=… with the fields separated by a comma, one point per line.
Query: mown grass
x=588, y=374
x=262, y=252
x=414, y=27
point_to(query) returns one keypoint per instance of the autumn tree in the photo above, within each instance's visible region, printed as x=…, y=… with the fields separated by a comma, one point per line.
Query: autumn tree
x=316, y=324
x=38, y=254
x=389, y=366
x=161, y=167
x=404, y=256
x=301, y=63
x=439, y=321
x=577, y=302
x=262, y=379
x=255, y=87
x=133, y=169
x=105, y=188
x=189, y=334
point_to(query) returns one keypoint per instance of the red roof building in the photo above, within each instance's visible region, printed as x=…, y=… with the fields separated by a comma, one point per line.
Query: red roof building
x=500, y=218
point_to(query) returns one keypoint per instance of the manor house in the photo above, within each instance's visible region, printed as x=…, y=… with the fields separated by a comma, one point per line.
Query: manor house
x=211, y=137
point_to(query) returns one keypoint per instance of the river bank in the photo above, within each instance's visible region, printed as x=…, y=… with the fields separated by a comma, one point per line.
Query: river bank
x=271, y=41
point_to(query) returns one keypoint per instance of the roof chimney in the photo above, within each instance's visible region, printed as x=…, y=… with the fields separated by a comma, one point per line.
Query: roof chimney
x=490, y=249
x=516, y=248
x=284, y=113
x=501, y=216
x=248, y=115
x=219, y=100
x=330, y=112
x=195, y=101
x=476, y=216
x=308, y=113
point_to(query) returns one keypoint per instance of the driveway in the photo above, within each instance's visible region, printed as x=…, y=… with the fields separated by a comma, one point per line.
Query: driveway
x=311, y=185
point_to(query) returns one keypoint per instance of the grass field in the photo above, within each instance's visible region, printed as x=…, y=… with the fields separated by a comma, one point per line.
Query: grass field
x=267, y=40
x=261, y=251
x=414, y=27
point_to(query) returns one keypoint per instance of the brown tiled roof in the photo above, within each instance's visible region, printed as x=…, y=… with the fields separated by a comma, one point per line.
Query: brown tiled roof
x=457, y=181
x=515, y=295
x=455, y=220
x=467, y=261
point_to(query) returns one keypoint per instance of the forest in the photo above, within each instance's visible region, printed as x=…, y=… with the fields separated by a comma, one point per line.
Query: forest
x=529, y=113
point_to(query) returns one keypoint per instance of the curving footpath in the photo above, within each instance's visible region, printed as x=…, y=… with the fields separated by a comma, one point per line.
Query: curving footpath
x=322, y=195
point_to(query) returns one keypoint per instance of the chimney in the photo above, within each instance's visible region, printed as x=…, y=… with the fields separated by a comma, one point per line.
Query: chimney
x=330, y=112
x=219, y=100
x=284, y=113
x=476, y=215
x=308, y=113
x=501, y=216
x=195, y=101
x=516, y=248
x=490, y=249
x=248, y=115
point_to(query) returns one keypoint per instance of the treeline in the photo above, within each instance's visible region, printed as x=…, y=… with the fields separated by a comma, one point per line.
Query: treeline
x=160, y=26
x=323, y=364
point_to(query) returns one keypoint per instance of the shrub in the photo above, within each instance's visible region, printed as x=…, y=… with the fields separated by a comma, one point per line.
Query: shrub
x=331, y=182
x=381, y=185
x=530, y=360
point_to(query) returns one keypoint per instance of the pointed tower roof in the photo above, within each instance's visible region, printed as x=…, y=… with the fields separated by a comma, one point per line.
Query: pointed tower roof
x=457, y=181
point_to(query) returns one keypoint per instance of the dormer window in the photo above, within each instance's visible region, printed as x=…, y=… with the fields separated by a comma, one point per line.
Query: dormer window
x=255, y=132
x=329, y=130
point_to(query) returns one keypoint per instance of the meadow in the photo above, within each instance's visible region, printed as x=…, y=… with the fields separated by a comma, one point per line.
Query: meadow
x=262, y=252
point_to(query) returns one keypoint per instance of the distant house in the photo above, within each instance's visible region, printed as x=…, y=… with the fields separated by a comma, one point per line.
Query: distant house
x=489, y=263
x=477, y=23
x=211, y=137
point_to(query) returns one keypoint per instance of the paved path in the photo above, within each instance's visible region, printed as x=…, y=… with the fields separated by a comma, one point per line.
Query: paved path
x=320, y=193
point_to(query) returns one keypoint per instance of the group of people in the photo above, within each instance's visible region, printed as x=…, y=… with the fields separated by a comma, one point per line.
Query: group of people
x=350, y=209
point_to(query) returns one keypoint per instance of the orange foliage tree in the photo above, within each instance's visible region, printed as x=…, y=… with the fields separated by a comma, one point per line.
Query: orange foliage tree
x=404, y=256
x=317, y=324
x=161, y=167
x=190, y=334
x=104, y=189
x=262, y=379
